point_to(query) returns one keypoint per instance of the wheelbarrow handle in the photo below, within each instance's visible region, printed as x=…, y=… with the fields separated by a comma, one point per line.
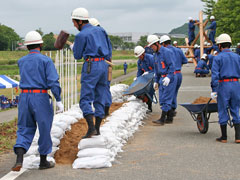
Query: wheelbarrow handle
x=154, y=99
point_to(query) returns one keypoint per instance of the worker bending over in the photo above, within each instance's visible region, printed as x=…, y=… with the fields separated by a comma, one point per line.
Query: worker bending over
x=202, y=68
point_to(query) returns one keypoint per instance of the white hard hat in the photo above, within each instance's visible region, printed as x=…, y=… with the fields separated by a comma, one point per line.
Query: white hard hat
x=224, y=38
x=205, y=43
x=151, y=39
x=199, y=46
x=195, y=46
x=209, y=44
x=204, y=56
x=33, y=37
x=238, y=44
x=212, y=17
x=138, y=51
x=215, y=52
x=174, y=42
x=94, y=21
x=190, y=18
x=80, y=14
x=164, y=38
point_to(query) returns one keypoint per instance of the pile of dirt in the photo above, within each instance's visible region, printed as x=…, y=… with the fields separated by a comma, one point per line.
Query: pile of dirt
x=203, y=100
x=68, y=147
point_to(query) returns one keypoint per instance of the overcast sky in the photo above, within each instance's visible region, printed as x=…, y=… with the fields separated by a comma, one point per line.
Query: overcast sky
x=114, y=15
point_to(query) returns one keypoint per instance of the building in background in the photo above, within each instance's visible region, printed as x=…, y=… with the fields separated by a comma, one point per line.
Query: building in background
x=130, y=36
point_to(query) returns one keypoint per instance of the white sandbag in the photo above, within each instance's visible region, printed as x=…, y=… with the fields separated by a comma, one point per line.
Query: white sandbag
x=57, y=132
x=55, y=142
x=92, y=162
x=63, y=125
x=54, y=149
x=33, y=150
x=94, y=142
x=33, y=161
x=90, y=152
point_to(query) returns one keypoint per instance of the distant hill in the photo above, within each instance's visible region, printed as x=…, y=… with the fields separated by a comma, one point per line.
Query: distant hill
x=182, y=30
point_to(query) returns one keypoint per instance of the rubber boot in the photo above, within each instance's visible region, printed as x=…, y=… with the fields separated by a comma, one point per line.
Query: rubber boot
x=162, y=119
x=174, y=112
x=149, y=107
x=44, y=164
x=106, y=109
x=20, y=152
x=169, y=119
x=223, y=138
x=91, y=129
x=237, y=133
x=98, y=124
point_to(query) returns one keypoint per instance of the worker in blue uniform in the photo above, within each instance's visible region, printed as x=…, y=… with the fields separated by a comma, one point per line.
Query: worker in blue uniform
x=145, y=65
x=38, y=75
x=92, y=44
x=197, y=53
x=107, y=93
x=125, y=66
x=212, y=27
x=238, y=49
x=148, y=50
x=179, y=60
x=164, y=76
x=191, y=30
x=202, y=68
x=211, y=58
x=225, y=86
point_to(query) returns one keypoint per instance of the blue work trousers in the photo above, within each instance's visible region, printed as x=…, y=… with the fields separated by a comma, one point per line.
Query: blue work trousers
x=211, y=36
x=191, y=37
x=201, y=71
x=34, y=108
x=178, y=77
x=166, y=94
x=228, y=98
x=108, y=95
x=93, y=85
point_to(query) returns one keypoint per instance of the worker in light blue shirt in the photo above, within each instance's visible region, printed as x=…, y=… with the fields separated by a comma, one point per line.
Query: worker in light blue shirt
x=178, y=60
x=93, y=45
x=145, y=65
x=38, y=75
x=226, y=87
x=164, y=69
x=212, y=27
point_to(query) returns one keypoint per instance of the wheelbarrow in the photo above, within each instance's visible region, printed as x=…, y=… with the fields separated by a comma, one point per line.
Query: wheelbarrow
x=141, y=88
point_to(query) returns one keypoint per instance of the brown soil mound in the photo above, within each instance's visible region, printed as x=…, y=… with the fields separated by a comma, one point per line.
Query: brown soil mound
x=68, y=147
x=203, y=100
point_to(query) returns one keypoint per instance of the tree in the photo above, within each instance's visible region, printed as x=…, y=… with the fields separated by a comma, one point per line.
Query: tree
x=116, y=41
x=208, y=7
x=142, y=41
x=39, y=30
x=49, y=41
x=8, y=38
x=227, y=13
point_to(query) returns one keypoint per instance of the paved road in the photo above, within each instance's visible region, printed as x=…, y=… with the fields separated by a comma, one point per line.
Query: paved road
x=8, y=115
x=172, y=152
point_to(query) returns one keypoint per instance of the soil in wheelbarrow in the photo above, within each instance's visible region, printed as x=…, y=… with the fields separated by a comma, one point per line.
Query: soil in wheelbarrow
x=203, y=100
x=68, y=147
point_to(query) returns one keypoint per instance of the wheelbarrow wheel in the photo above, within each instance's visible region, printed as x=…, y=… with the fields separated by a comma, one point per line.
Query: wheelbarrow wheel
x=202, y=123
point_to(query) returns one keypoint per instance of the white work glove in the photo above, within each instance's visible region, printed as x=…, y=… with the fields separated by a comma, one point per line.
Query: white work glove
x=134, y=79
x=155, y=86
x=166, y=81
x=60, y=107
x=71, y=46
x=145, y=73
x=214, y=95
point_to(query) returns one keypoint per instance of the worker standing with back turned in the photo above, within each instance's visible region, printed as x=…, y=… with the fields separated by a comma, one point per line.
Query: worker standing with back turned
x=92, y=44
x=164, y=77
x=226, y=87
x=38, y=74
x=212, y=27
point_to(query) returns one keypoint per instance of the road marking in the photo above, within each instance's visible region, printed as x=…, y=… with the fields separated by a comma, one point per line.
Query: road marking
x=195, y=88
x=13, y=175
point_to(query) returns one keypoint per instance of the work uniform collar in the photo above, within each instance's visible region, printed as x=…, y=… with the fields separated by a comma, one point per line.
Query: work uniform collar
x=34, y=51
x=86, y=26
x=226, y=50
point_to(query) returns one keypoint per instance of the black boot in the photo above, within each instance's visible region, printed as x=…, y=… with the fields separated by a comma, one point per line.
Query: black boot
x=223, y=138
x=98, y=124
x=20, y=152
x=91, y=129
x=44, y=164
x=170, y=115
x=174, y=112
x=106, y=109
x=149, y=107
x=237, y=133
x=162, y=119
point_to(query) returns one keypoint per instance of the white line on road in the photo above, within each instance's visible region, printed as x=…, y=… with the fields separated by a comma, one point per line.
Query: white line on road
x=13, y=175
